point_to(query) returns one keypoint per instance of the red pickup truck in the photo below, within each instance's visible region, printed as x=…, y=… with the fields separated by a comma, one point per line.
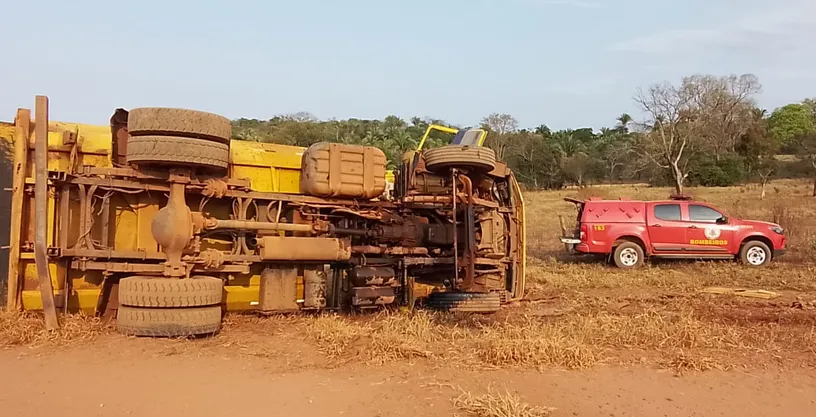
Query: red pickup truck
x=630, y=231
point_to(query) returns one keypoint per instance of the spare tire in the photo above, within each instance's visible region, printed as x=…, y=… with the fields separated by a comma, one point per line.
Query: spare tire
x=168, y=322
x=174, y=150
x=457, y=156
x=163, y=121
x=156, y=292
x=463, y=302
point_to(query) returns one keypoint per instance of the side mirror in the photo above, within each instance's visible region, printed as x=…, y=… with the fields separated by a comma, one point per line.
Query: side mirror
x=722, y=220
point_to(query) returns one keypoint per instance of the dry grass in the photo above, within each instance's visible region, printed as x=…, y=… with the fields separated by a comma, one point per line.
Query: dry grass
x=532, y=343
x=384, y=338
x=572, y=341
x=29, y=329
x=498, y=404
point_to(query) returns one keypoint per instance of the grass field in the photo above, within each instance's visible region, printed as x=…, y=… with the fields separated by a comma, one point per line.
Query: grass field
x=577, y=312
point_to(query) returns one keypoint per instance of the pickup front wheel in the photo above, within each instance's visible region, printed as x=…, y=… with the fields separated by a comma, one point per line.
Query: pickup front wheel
x=628, y=255
x=755, y=253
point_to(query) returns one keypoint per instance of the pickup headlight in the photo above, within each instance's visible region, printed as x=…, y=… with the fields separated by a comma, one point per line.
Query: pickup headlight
x=778, y=230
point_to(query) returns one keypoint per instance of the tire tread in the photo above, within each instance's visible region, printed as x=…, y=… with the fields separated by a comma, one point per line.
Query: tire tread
x=161, y=121
x=452, y=156
x=168, y=322
x=172, y=150
x=170, y=292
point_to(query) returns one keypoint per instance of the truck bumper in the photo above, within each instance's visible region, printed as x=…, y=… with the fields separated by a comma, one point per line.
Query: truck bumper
x=570, y=244
x=779, y=252
x=570, y=241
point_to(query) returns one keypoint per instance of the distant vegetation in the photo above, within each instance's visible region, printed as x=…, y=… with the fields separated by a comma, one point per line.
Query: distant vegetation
x=704, y=131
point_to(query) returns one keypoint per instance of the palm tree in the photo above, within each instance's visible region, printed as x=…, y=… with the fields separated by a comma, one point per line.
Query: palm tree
x=567, y=143
x=543, y=130
x=623, y=122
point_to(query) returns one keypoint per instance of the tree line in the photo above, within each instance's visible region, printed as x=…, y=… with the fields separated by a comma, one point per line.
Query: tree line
x=705, y=130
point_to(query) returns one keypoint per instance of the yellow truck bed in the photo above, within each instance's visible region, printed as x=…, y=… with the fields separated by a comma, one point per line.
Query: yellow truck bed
x=269, y=167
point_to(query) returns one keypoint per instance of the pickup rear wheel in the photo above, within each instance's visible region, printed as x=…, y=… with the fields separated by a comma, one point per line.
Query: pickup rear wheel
x=628, y=255
x=755, y=253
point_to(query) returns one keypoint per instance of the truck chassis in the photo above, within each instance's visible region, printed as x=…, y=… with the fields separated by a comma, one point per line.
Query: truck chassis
x=458, y=229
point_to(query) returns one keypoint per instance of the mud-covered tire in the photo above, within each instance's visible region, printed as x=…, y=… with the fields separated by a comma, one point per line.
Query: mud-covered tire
x=628, y=255
x=755, y=254
x=168, y=322
x=174, y=151
x=156, y=292
x=163, y=121
x=456, y=156
x=459, y=302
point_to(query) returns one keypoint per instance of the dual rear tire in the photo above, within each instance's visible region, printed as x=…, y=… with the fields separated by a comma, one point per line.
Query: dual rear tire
x=169, y=307
x=163, y=137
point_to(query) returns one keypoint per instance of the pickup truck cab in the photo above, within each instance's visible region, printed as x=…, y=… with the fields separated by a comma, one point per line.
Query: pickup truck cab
x=630, y=231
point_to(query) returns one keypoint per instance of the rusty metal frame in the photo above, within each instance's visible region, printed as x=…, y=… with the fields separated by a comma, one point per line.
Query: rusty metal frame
x=197, y=185
x=41, y=211
x=455, y=231
x=157, y=175
x=22, y=131
x=156, y=269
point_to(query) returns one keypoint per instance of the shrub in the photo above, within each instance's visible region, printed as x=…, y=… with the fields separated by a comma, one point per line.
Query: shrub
x=709, y=172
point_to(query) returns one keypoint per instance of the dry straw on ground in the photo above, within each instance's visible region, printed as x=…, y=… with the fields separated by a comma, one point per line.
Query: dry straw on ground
x=498, y=404
x=571, y=341
x=28, y=329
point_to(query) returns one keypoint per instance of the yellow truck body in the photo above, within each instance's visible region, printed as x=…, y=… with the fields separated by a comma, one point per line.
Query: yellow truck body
x=269, y=167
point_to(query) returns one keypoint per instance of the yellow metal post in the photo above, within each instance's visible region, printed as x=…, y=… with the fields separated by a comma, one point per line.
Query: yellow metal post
x=430, y=128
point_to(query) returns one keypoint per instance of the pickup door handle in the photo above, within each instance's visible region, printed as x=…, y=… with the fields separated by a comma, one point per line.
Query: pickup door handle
x=656, y=225
x=692, y=227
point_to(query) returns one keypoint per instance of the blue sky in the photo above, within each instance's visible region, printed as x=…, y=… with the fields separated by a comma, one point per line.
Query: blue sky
x=566, y=63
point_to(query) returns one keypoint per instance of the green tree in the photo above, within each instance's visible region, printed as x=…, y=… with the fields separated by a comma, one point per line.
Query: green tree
x=790, y=122
x=759, y=149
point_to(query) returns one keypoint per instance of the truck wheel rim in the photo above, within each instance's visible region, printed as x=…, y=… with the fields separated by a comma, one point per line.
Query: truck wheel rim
x=756, y=256
x=629, y=257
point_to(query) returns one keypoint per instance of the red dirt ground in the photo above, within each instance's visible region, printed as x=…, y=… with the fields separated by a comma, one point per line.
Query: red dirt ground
x=116, y=376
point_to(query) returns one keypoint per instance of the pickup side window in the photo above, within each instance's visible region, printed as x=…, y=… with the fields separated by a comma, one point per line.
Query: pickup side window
x=698, y=213
x=668, y=212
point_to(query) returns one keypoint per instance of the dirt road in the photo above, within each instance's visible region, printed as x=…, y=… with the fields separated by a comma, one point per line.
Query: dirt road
x=118, y=377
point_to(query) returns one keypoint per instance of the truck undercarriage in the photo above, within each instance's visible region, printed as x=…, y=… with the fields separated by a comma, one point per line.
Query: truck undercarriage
x=170, y=241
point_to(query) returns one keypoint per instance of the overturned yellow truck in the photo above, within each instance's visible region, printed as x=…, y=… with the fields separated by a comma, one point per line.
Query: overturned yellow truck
x=164, y=220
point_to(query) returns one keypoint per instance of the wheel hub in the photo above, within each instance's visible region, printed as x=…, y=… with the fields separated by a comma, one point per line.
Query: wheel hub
x=629, y=257
x=756, y=256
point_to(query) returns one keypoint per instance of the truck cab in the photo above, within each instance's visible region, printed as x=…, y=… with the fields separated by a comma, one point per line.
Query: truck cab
x=629, y=232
